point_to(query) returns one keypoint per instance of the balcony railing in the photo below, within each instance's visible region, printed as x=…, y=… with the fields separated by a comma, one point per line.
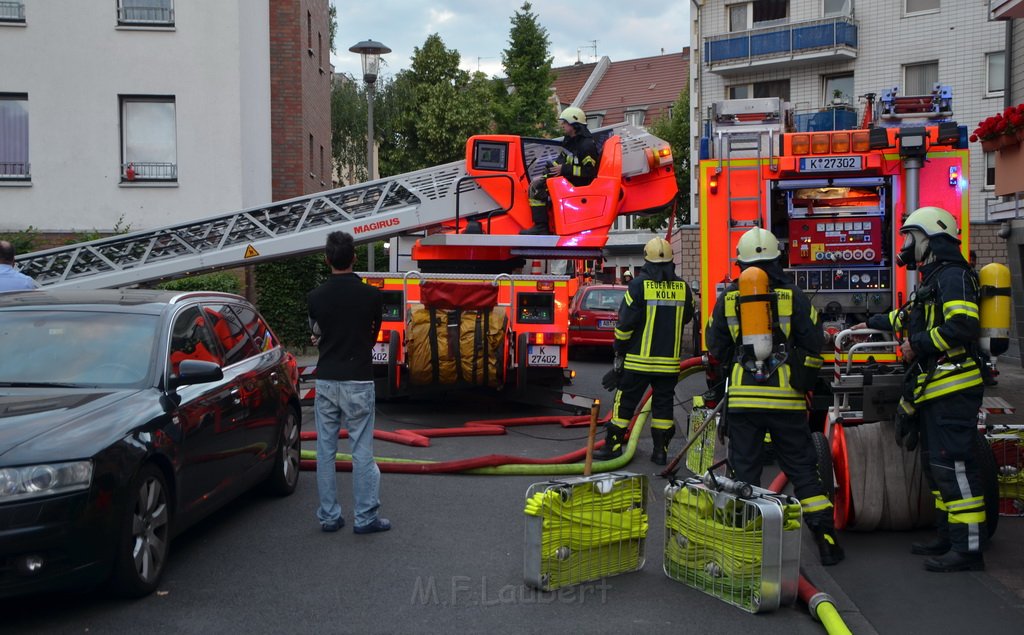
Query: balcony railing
x=11, y=11
x=148, y=15
x=149, y=172
x=841, y=118
x=786, y=41
x=15, y=171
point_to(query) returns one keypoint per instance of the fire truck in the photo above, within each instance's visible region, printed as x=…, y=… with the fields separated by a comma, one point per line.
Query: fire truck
x=836, y=200
x=467, y=315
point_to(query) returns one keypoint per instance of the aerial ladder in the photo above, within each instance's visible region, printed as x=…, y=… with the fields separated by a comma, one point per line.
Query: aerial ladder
x=481, y=199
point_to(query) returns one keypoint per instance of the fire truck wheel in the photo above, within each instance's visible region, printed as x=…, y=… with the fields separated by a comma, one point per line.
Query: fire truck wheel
x=823, y=451
x=522, y=348
x=394, y=371
x=985, y=458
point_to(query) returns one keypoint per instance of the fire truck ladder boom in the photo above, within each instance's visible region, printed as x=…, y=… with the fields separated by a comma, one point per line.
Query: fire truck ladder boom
x=370, y=211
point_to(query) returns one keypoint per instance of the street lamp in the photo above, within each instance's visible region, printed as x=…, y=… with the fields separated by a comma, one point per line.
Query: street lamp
x=370, y=52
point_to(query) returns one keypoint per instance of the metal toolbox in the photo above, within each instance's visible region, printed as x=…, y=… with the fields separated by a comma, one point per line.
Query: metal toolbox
x=736, y=542
x=584, y=528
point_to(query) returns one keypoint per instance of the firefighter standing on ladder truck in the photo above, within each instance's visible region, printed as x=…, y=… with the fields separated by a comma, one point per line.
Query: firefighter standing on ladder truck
x=944, y=386
x=648, y=350
x=765, y=331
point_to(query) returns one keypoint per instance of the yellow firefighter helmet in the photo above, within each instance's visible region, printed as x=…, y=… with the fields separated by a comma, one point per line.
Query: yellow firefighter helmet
x=932, y=221
x=658, y=250
x=757, y=245
x=572, y=114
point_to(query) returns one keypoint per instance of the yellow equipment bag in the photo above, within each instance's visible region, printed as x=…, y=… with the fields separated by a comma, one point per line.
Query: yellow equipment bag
x=452, y=346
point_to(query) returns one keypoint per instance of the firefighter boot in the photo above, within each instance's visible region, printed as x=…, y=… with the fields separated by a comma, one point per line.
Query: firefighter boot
x=539, y=211
x=661, y=438
x=613, y=440
x=937, y=546
x=829, y=550
x=956, y=561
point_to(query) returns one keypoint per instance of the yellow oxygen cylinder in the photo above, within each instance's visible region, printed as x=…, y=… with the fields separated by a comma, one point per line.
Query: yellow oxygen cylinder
x=756, y=313
x=994, y=309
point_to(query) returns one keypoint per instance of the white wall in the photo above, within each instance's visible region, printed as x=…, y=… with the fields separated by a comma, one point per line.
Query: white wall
x=73, y=62
x=957, y=37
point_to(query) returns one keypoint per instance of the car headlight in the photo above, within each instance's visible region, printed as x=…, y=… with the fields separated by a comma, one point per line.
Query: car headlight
x=33, y=481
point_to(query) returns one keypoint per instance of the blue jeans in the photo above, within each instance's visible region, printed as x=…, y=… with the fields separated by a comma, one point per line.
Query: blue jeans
x=353, y=403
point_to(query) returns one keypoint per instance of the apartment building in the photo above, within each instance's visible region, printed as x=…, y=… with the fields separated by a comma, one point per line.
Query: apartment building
x=824, y=56
x=146, y=113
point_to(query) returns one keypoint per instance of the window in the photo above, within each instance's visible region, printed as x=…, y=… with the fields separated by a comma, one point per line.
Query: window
x=920, y=79
x=14, y=164
x=739, y=17
x=635, y=117
x=990, y=170
x=778, y=88
x=145, y=12
x=320, y=51
x=149, y=150
x=920, y=6
x=832, y=8
x=191, y=339
x=231, y=333
x=311, y=175
x=309, y=33
x=12, y=11
x=595, y=119
x=258, y=330
x=841, y=83
x=321, y=162
x=995, y=65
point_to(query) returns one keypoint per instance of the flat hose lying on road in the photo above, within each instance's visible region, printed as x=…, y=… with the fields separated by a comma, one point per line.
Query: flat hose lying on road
x=503, y=464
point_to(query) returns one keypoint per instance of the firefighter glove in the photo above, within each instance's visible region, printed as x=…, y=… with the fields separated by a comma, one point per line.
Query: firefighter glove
x=611, y=379
x=907, y=431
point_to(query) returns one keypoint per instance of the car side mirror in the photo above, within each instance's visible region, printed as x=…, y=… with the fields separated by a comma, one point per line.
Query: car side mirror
x=195, y=371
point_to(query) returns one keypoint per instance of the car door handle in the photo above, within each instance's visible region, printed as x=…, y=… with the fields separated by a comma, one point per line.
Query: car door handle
x=236, y=396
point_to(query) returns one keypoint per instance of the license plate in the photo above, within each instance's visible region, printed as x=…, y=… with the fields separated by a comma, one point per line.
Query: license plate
x=830, y=164
x=380, y=353
x=544, y=355
x=606, y=324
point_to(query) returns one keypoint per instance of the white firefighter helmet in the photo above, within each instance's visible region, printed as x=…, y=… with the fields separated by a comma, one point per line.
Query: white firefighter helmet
x=932, y=221
x=658, y=250
x=757, y=245
x=572, y=114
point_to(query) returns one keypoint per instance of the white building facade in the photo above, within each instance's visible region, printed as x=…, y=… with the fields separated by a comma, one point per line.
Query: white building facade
x=132, y=113
x=825, y=55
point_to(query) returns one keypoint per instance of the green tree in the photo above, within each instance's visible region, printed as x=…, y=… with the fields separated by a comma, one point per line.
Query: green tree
x=332, y=14
x=675, y=130
x=348, y=130
x=527, y=108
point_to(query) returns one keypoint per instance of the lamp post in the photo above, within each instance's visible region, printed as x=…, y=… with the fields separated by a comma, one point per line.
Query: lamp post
x=370, y=52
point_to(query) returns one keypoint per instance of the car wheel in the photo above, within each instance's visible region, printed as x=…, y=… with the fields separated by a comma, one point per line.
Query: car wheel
x=284, y=476
x=145, y=534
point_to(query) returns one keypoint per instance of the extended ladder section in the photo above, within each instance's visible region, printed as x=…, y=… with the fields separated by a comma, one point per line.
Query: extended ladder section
x=370, y=211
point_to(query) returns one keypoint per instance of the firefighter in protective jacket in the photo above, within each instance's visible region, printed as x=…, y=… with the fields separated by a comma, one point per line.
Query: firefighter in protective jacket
x=769, y=394
x=577, y=162
x=648, y=350
x=944, y=385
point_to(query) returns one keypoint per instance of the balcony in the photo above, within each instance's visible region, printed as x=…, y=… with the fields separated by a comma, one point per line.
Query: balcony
x=1006, y=9
x=15, y=171
x=148, y=171
x=838, y=118
x=822, y=41
x=158, y=14
x=12, y=11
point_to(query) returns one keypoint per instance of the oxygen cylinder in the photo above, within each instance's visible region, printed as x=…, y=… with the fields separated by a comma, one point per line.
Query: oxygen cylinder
x=994, y=309
x=756, y=312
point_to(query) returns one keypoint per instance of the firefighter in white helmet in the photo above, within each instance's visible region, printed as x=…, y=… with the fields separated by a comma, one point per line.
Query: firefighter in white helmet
x=944, y=388
x=577, y=162
x=648, y=350
x=765, y=334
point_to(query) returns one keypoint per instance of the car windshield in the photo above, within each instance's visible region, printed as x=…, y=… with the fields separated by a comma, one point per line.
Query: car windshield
x=603, y=299
x=90, y=348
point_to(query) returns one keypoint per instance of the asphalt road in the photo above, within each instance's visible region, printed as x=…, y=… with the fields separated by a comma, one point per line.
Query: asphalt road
x=454, y=560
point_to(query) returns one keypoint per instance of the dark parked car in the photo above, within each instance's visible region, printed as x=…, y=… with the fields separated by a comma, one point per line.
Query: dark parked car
x=125, y=417
x=593, y=313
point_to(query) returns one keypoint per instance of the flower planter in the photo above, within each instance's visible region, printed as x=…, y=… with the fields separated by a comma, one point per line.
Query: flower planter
x=990, y=145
